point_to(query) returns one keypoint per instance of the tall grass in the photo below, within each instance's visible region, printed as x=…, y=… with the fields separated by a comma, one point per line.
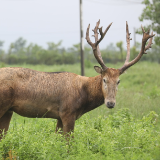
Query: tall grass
x=129, y=131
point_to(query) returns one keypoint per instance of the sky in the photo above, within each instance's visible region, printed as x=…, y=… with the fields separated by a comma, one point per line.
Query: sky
x=42, y=21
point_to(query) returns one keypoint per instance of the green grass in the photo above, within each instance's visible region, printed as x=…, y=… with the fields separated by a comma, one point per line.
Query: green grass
x=129, y=131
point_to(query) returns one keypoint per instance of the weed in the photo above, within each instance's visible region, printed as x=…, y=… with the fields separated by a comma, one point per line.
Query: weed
x=129, y=131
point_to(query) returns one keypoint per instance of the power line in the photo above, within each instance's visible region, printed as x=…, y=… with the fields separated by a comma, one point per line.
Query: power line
x=126, y=2
x=131, y=1
x=56, y=32
x=16, y=0
x=47, y=33
x=34, y=33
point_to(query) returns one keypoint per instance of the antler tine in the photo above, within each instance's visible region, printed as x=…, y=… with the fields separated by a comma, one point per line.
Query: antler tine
x=95, y=45
x=87, y=36
x=146, y=36
x=95, y=31
x=128, y=43
x=142, y=29
x=103, y=33
x=149, y=44
x=98, y=55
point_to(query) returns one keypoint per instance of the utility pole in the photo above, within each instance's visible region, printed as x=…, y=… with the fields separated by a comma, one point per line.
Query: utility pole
x=81, y=38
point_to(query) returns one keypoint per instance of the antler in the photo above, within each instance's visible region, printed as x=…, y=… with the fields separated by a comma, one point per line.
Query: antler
x=149, y=43
x=95, y=46
x=128, y=43
x=146, y=36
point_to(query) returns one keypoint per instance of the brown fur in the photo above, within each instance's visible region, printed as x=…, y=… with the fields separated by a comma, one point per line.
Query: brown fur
x=112, y=77
x=62, y=96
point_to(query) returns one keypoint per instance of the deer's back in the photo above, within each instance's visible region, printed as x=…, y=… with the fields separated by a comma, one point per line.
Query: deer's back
x=41, y=92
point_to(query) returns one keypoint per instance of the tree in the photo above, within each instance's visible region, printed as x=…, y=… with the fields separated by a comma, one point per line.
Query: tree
x=19, y=45
x=2, y=52
x=120, y=46
x=1, y=44
x=110, y=54
x=152, y=13
x=53, y=46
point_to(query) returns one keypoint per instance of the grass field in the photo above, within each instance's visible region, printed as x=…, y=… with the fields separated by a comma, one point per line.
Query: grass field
x=129, y=131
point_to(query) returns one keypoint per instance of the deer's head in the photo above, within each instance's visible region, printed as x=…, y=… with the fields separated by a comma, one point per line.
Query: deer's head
x=110, y=81
x=110, y=76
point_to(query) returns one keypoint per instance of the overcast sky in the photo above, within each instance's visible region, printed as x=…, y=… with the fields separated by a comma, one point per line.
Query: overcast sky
x=42, y=21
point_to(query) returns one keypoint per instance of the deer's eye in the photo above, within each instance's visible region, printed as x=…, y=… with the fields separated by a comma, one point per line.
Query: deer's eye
x=118, y=82
x=104, y=80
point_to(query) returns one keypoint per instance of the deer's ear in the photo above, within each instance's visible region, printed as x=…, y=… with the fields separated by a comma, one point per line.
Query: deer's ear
x=98, y=69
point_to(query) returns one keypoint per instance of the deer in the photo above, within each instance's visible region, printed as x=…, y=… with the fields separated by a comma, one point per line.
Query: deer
x=62, y=95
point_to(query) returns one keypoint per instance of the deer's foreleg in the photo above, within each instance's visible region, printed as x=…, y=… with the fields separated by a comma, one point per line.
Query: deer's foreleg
x=68, y=125
x=59, y=126
x=68, y=122
x=4, y=122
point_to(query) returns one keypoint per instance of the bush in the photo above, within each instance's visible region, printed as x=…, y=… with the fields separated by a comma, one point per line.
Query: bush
x=118, y=136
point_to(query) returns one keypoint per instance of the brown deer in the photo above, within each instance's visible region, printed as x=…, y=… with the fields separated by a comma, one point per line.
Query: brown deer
x=61, y=95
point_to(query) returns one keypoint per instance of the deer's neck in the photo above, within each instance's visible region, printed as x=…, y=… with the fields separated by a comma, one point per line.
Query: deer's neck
x=94, y=93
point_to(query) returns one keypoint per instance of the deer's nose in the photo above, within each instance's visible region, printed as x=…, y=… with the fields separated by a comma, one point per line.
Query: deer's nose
x=110, y=104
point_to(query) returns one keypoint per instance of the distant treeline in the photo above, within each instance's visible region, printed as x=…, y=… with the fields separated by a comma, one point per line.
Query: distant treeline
x=19, y=52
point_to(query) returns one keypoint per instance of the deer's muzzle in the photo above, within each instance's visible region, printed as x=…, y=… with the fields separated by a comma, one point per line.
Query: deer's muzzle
x=110, y=104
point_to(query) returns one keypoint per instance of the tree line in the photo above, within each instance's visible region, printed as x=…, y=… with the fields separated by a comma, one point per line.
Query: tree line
x=19, y=52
